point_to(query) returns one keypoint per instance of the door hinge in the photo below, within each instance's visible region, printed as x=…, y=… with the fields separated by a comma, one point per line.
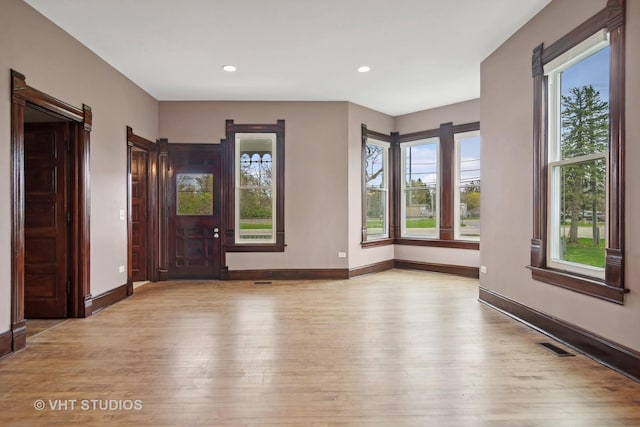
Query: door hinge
x=68, y=145
x=68, y=217
x=69, y=286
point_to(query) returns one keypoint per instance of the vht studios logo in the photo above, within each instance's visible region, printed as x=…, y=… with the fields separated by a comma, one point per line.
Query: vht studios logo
x=88, y=405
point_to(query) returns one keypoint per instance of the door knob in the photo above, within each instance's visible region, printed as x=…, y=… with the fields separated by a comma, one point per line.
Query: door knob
x=216, y=235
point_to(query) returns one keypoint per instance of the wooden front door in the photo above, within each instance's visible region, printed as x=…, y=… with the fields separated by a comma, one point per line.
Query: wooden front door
x=194, y=212
x=46, y=220
x=139, y=216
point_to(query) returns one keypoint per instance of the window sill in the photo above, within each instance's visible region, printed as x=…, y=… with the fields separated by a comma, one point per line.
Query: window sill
x=273, y=247
x=375, y=243
x=455, y=244
x=585, y=285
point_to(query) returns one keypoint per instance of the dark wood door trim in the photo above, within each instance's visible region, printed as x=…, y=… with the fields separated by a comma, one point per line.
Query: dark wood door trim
x=163, y=204
x=152, y=149
x=80, y=125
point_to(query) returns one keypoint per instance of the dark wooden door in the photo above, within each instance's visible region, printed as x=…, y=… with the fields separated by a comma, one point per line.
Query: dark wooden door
x=194, y=213
x=139, y=215
x=46, y=227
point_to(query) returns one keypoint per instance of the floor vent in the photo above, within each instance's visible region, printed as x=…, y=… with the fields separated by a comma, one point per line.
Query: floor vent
x=262, y=283
x=555, y=349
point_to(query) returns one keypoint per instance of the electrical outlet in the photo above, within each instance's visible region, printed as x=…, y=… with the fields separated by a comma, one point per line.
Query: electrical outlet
x=483, y=269
x=342, y=254
x=121, y=269
x=121, y=214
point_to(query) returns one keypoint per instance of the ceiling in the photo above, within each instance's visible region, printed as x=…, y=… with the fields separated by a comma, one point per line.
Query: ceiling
x=422, y=53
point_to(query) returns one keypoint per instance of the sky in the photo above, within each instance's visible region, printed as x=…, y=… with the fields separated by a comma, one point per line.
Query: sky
x=592, y=70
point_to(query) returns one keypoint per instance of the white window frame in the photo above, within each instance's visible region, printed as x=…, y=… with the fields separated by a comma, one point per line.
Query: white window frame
x=386, y=181
x=238, y=187
x=403, y=188
x=553, y=71
x=458, y=137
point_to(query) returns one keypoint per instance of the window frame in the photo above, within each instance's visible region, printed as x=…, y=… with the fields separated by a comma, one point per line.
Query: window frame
x=238, y=187
x=611, y=288
x=389, y=167
x=231, y=187
x=402, y=182
x=446, y=133
x=459, y=136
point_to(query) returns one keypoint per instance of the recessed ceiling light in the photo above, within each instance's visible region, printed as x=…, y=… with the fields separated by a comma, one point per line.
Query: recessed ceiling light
x=229, y=68
x=364, y=69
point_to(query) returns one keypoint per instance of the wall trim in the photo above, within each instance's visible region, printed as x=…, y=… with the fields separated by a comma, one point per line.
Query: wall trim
x=110, y=297
x=456, y=270
x=376, y=267
x=5, y=343
x=289, y=274
x=343, y=273
x=600, y=349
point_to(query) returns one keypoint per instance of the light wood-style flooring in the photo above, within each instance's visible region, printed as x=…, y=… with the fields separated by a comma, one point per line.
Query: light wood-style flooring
x=37, y=326
x=399, y=348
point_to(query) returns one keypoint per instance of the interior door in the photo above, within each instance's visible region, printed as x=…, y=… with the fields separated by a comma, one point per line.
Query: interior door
x=194, y=212
x=46, y=228
x=139, y=216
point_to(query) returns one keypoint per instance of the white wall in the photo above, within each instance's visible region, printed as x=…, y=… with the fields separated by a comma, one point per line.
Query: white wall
x=507, y=129
x=316, y=222
x=57, y=64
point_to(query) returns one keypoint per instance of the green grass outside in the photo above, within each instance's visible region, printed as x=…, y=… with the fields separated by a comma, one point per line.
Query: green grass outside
x=256, y=226
x=421, y=223
x=412, y=223
x=584, y=252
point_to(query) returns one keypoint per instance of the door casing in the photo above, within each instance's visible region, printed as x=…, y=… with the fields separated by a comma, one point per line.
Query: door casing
x=80, y=122
x=136, y=142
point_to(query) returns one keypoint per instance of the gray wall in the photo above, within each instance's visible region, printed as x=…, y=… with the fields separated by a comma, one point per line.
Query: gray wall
x=506, y=112
x=316, y=220
x=57, y=64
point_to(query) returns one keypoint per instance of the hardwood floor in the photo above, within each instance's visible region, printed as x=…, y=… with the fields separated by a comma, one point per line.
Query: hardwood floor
x=37, y=326
x=394, y=348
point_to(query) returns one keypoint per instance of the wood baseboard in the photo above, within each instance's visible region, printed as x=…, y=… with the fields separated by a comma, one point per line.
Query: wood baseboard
x=339, y=273
x=458, y=270
x=19, y=335
x=5, y=343
x=110, y=297
x=289, y=274
x=611, y=354
x=371, y=268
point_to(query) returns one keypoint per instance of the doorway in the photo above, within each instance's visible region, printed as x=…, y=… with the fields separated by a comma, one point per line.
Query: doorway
x=142, y=202
x=50, y=241
x=194, y=211
x=46, y=215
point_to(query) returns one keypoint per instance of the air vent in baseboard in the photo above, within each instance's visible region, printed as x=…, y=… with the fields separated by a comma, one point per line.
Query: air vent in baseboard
x=262, y=283
x=555, y=349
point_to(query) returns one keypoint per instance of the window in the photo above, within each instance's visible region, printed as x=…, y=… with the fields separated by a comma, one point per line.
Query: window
x=578, y=138
x=415, y=184
x=194, y=194
x=255, y=188
x=376, y=189
x=420, y=189
x=578, y=232
x=467, y=193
